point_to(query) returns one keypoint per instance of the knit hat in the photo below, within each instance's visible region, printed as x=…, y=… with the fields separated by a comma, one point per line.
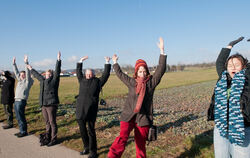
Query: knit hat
x=139, y=63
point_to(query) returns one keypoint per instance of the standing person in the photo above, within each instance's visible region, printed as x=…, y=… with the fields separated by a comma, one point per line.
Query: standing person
x=87, y=104
x=21, y=96
x=230, y=106
x=7, y=97
x=48, y=98
x=137, y=111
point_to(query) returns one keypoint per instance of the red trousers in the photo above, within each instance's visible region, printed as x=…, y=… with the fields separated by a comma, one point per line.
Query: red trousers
x=120, y=142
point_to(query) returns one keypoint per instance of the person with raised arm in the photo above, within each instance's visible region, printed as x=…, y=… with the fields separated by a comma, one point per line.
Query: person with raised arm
x=230, y=105
x=87, y=104
x=137, y=110
x=24, y=83
x=48, y=99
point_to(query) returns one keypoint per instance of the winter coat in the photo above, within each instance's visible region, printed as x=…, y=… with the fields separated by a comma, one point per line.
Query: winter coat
x=23, y=86
x=49, y=87
x=145, y=116
x=7, y=92
x=89, y=90
x=245, y=95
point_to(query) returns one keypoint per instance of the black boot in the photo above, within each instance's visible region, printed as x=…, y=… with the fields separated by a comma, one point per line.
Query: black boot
x=93, y=155
x=232, y=43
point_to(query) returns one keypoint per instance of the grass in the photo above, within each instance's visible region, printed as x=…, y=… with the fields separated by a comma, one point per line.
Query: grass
x=108, y=126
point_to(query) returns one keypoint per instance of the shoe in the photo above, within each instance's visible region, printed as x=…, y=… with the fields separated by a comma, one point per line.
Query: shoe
x=93, y=155
x=20, y=135
x=8, y=126
x=84, y=152
x=53, y=142
x=17, y=133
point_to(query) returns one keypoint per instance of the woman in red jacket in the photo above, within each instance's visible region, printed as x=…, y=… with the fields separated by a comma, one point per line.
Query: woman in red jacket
x=137, y=111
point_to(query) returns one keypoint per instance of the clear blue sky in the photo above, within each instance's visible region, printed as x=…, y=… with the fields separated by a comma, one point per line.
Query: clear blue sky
x=194, y=30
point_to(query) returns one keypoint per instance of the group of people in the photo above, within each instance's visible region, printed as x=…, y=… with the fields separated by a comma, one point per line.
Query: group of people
x=229, y=108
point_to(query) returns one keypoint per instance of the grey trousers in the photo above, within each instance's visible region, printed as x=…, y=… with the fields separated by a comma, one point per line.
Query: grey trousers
x=49, y=114
x=8, y=109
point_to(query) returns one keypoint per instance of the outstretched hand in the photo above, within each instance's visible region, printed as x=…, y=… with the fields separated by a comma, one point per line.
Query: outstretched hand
x=107, y=59
x=29, y=67
x=161, y=45
x=14, y=60
x=59, y=56
x=84, y=58
x=115, y=58
x=25, y=59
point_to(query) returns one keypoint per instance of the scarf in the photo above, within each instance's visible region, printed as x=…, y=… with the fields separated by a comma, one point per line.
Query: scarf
x=140, y=90
x=232, y=127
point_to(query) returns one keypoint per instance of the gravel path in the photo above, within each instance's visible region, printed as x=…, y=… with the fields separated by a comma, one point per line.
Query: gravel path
x=28, y=147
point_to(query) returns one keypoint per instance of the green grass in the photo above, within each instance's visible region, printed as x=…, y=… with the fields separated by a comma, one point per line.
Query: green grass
x=68, y=132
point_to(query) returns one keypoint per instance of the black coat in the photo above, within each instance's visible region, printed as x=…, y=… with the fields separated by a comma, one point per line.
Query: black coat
x=89, y=90
x=245, y=95
x=145, y=116
x=7, y=93
x=49, y=87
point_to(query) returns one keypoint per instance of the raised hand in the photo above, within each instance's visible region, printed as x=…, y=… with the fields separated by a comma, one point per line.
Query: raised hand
x=25, y=59
x=232, y=43
x=115, y=58
x=59, y=56
x=107, y=59
x=29, y=67
x=84, y=58
x=14, y=60
x=161, y=45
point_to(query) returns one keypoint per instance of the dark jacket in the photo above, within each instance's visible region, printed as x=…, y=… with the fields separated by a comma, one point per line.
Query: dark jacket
x=7, y=93
x=145, y=116
x=49, y=87
x=88, y=98
x=245, y=96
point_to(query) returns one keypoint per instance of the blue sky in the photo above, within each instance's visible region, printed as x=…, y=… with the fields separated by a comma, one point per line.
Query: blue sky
x=194, y=30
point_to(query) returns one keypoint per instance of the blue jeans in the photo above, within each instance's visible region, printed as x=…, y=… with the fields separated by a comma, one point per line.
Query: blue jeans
x=20, y=115
x=224, y=149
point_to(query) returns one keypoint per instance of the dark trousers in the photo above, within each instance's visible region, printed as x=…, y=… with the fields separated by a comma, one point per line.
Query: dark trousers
x=49, y=115
x=9, y=113
x=88, y=136
x=20, y=115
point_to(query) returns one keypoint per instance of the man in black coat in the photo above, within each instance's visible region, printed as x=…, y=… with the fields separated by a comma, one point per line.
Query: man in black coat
x=48, y=98
x=87, y=104
x=7, y=97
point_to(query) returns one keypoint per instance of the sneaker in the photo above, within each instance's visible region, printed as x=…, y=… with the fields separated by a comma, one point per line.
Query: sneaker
x=84, y=152
x=17, y=133
x=93, y=155
x=53, y=142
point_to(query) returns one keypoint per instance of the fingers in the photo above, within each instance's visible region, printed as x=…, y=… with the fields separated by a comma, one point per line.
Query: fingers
x=161, y=44
x=115, y=58
x=107, y=59
x=14, y=60
x=59, y=55
x=25, y=58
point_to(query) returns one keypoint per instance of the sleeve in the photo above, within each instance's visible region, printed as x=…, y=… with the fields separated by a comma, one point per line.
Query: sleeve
x=79, y=71
x=37, y=75
x=105, y=74
x=16, y=72
x=57, y=71
x=122, y=76
x=221, y=60
x=160, y=70
x=28, y=76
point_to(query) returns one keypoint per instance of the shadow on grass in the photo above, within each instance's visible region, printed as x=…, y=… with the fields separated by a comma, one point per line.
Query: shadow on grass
x=199, y=142
x=179, y=122
x=67, y=138
x=106, y=147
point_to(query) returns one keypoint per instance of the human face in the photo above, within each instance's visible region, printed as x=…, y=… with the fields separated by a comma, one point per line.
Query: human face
x=22, y=75
x=88, y=74
x=47, y=74
x=142, y=72
x=234, y=65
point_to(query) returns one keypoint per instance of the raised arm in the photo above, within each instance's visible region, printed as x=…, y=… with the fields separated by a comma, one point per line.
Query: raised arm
x=122, y=76
x=161, y=67
x=79, y=68
x=15, y=69
x=35, y=73
x=27, y=71
x=106, y=73
x=224, y=54
x=58, y=66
